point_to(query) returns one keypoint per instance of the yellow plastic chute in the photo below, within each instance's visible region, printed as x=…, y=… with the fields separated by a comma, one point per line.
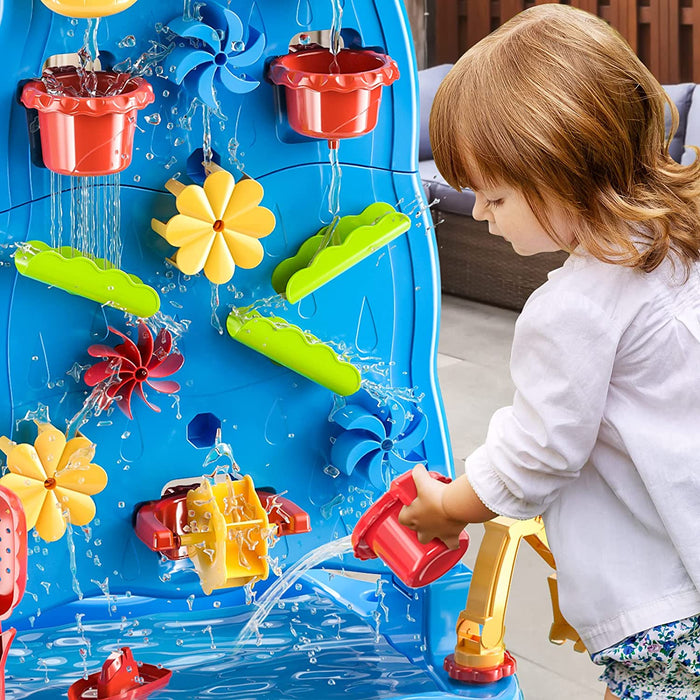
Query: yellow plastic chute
x=228, y=533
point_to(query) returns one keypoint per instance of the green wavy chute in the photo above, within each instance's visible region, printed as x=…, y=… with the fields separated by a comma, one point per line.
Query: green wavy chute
x=354, y=238
x=295, y=349
x=95, y=279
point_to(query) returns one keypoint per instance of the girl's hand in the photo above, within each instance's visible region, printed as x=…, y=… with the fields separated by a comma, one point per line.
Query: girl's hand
x=426, y=514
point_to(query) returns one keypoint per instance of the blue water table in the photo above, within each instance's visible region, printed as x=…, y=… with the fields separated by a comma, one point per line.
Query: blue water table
x=221, y=316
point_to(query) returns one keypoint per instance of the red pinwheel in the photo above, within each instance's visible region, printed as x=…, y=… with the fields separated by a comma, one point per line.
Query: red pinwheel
x=127, y=366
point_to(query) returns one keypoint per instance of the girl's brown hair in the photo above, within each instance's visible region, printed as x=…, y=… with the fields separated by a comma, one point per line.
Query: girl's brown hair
x=556, y=104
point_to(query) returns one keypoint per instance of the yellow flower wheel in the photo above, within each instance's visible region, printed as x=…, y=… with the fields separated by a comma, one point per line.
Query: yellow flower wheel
x=54, y=478
x=87, y=8
x=218, y=226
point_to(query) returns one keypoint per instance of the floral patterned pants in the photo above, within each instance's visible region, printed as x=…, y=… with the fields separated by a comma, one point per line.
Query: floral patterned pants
x=662, y=663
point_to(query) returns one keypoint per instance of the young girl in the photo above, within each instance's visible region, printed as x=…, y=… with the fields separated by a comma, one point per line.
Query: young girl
x=559, y=129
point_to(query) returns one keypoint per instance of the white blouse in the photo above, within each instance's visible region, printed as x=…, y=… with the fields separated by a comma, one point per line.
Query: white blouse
x=603, y=440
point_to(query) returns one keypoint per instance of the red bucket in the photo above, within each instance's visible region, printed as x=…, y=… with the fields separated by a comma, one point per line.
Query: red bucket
x=333, y=96
x=87, y=134
x=378, y=533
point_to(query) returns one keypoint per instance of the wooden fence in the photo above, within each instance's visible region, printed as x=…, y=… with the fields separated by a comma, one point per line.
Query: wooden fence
x=664, y=33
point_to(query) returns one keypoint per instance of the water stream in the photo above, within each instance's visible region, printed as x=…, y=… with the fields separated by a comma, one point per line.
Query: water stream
x=274, y=593
x=94, y=216
x=336, y=27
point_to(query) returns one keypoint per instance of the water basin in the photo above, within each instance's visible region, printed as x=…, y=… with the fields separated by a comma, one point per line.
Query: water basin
x=316, y=640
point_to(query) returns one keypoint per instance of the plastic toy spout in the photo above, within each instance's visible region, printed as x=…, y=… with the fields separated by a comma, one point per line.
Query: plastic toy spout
x=286, y=515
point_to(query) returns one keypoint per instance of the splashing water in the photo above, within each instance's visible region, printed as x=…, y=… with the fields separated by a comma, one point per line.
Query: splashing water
x=206, y=136
x=90, y=40
x=383, y=394
x=221, y=449
x=56, y=209
x=93, y=405
x=327, y=508
x=176, y=327
x=73, y=564
x=233, y=145
x=190, y=10
x=336, y=39
x=334, y=187
x=104, y=587
x=185, y=120
x=330, y=236
x=143, y=65
x=274, y=593
x=40, y=415
x=215, y=321
x=95, y=217
x=86, y=650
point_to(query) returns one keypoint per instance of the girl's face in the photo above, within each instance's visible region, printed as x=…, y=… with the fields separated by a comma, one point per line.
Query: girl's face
x=509, y=215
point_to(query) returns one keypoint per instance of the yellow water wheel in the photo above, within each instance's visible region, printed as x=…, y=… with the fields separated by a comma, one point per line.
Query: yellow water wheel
x=87, y=8
x=228, y=533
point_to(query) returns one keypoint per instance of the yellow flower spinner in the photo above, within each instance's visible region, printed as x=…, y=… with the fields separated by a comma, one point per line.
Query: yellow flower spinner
x=218, y=226
x=54, y=479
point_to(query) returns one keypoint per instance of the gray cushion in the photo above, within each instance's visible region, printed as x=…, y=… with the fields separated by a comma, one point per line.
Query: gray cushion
x=681, y=95
x=428, y=83
x=450, y=200
x=692, y=131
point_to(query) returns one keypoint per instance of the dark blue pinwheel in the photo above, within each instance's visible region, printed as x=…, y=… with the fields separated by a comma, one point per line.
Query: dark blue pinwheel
x=379, y=442
x=214, y=51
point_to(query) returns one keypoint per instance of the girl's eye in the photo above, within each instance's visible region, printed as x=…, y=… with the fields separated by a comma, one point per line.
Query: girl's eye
x=494, y=202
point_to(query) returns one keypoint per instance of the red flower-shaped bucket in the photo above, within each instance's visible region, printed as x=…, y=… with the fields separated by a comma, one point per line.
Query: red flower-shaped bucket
x=83, y=133
x=333, y=96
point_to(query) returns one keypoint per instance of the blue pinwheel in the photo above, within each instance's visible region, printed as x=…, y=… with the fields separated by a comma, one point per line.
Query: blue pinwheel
x=215, y=49
x=378, y=441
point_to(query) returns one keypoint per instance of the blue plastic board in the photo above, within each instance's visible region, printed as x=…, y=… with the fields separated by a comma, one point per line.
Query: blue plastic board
x=382, y=314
